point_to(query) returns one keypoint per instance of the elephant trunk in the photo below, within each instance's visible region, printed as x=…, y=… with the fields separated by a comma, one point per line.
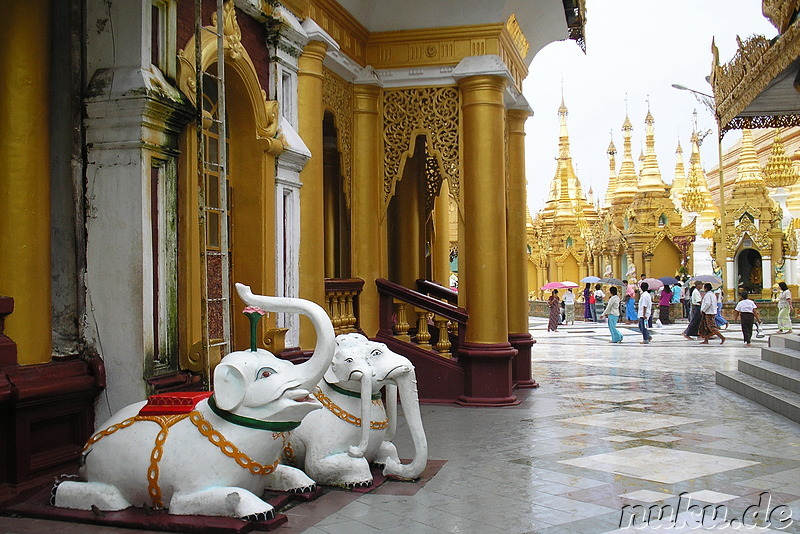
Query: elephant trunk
x=366, y=409
x=407, y=386
x=391, y=411
x=310, y=372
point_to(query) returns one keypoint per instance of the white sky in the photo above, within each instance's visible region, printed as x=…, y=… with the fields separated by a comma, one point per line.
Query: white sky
x=638, y=48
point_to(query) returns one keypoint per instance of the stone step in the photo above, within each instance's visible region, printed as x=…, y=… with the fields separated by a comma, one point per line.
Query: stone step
x=785, y=357
x=788, y=379
x=768, y=395
x=788, y=341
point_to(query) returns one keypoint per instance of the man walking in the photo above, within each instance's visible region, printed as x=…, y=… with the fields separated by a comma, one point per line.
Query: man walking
x=645, y=310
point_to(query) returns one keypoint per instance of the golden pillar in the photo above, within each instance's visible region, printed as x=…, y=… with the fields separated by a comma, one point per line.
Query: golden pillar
x=312, y=224
x=365, y=202
x=441, y=236
x=486, y=352
x=408, y=236
x=25, y=178
x=517, y=254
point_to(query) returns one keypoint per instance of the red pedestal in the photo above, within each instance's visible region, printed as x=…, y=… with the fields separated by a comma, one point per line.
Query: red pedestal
x=8, y=349
x=488, y=377
x=521, y=370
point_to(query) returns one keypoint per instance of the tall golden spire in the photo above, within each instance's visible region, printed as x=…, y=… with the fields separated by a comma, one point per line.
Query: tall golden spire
x=679, y=180
x=612, y=172
x=697, y=197
x=627, y=181
x=650, y=177
x=748, y=169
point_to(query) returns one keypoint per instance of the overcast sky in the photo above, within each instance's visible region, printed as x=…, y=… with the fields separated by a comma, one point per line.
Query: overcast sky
x=638, y=48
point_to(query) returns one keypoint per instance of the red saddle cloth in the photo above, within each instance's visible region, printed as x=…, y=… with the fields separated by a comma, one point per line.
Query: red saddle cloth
x=175, y=403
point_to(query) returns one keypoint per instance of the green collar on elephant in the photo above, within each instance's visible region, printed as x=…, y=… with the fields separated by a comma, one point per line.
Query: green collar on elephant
x=273, y=426
x=337, y=389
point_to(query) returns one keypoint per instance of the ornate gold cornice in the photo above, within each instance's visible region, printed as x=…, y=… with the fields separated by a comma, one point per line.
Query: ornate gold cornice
x=517, y=36
x=342, y=26
x=756, y=63
x=337, y=98
x=265, y=111
x=429, y=111
x=445, y=47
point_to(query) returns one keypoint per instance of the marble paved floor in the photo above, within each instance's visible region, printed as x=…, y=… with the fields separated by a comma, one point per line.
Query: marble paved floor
x=614, y=435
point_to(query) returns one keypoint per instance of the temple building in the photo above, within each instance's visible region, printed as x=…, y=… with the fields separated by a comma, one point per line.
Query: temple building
x=157, y=151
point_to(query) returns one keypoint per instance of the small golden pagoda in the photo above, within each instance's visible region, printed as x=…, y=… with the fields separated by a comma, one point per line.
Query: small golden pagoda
x=753, y=234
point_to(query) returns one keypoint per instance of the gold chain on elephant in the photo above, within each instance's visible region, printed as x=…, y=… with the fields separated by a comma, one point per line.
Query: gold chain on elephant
x=228, y=448
x=347, y=416
x=288, y=450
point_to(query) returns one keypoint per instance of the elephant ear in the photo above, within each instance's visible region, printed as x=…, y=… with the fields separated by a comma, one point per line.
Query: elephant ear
x=229, y=386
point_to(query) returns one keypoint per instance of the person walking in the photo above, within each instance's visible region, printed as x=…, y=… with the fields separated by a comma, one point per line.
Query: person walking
x=722, y=322
x=784, y=309
x=599, y=295
x=645, y=310
x=708, y=310
x=686, y=291
x=569, y=307
x=747, y=311
x=555, y=311
x=696, y=298
x=664, y=303
x=612, y=312
x=587, y=302
x=630, y=303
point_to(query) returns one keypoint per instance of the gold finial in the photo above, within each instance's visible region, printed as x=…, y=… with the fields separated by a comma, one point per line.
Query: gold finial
x=779, y=171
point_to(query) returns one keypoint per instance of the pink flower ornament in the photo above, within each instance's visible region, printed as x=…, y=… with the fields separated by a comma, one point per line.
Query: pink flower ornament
x=254, y=313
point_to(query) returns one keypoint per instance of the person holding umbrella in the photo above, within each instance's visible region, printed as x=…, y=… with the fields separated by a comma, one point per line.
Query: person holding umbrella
x=708, y=310
x=569, y=307
x=663, y=305
x=588, y=305
x=696, y=298
x=612, y=312
x=555, y=311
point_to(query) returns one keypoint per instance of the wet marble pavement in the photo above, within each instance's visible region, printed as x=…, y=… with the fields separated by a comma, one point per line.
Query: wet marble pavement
x=614, y=435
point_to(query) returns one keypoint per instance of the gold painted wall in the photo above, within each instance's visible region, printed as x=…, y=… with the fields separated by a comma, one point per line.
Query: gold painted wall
x=666, y=260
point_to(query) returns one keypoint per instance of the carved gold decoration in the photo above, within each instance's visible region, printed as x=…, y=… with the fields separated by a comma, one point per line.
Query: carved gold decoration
x=780, y=171
x=231, y=30
x=429, y=111
x=780, y=12
x=790, y=239
x=754, y=66
x=337, y=98
x=761, y=240
x=517, y=36
x=265, y=111
x=433, y=182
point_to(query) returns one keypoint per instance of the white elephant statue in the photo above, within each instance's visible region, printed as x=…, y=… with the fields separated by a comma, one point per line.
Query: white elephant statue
x=218, y=459
x=335, y=446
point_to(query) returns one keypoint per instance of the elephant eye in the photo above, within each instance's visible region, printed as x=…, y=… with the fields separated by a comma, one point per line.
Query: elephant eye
x=349, y=360
x=376, y=352
x=265, y=372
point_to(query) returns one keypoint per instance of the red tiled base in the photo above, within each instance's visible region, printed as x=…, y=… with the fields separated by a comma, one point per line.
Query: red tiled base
x=311, y=508
x=39, y=507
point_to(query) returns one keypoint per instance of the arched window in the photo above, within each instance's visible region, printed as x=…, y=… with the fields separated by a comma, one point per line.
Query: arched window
x=747, y=217
x=662, y=220
x=569, y=242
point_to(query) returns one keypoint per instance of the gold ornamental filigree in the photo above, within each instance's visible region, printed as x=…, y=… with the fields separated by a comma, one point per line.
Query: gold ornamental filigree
x=230, y=29
x=429, y=111
x=761, y=239
x=337, y=98
x=517, y=36
x=780, y=12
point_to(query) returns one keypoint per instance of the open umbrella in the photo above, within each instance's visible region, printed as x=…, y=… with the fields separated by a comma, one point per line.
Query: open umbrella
x=652, y=283
x=669, y=280
x=715, y=281
x=567, y=284
x=552, y=285
x=590, y=279
x=611, y=281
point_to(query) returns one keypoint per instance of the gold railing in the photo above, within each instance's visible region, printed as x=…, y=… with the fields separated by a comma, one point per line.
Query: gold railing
x=341, y=296
x=435, y=326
